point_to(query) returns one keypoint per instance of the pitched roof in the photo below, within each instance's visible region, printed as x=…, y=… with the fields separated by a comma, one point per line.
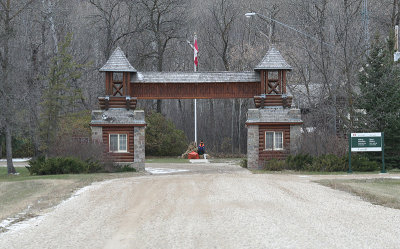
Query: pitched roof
x=273, y=60
x=195, y=77
x=118, y=63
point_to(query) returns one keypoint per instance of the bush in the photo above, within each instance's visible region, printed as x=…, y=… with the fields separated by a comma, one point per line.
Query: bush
x=125, y=168
x=327, y=163
x=62, y=165
x=162, y=138
x=243, y=163
x=299, y=161
x=362, y=163
x=275, y=165
x=324, y=163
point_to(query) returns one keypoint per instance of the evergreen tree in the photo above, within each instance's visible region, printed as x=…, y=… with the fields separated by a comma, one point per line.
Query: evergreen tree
x=60, y=96
x=379, y=98
x=162, y=137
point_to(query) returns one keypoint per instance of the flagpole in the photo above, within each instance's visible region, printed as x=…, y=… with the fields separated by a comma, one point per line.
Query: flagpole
x=195, y=100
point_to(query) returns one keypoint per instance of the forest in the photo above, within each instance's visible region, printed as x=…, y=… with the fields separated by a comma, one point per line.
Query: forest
x=51, y=51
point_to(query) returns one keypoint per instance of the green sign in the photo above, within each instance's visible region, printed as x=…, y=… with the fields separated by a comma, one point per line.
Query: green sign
x=359, y=142
x=366, y=141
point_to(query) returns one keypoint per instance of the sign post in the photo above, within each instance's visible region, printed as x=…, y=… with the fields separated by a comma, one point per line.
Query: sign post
x=364, y=142
x=383, y=154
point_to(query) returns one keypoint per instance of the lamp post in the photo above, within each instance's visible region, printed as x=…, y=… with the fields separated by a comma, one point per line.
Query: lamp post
x=251, y=14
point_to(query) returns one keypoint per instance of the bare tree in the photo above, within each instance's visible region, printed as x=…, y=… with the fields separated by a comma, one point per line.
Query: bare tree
x=114, y=19
x=163, y=23
x=8, y=89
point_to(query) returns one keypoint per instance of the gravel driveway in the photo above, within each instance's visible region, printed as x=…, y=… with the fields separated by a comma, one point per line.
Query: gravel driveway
x=210, y=206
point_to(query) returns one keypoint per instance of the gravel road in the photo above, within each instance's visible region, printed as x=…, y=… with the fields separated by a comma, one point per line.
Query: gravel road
x=210, y=206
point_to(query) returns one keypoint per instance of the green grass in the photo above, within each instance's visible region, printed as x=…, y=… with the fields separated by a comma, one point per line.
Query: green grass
x=224, y=160
x=24, y=175
x=382, y=191
x=286, y=172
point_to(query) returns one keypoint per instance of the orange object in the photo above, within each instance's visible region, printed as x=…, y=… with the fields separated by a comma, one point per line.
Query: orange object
x=193, y=155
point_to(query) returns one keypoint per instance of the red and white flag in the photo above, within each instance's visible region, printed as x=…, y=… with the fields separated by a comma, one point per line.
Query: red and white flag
x=195, y=51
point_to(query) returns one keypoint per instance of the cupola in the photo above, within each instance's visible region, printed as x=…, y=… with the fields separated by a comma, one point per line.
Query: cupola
x=273, y=68
x=118, y=71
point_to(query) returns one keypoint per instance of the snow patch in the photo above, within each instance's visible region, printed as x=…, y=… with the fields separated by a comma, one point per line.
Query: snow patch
x=9, y=225
x=199, y=161
x=158, y=171
x=16, y=160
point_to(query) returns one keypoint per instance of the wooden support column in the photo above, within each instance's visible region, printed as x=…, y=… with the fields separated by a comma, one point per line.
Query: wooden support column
x=109, y=80
x=280, y=87
x=128, y=84
x=283, y=81
x=125, y=84
x=262, y=82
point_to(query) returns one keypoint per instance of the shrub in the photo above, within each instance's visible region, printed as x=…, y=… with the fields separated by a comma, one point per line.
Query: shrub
x=327, y=163
x=62, y=165
x=275, y=165
x=125, y=168
x=162, y=138
x=362, y=163
x=299, y=161
x=243, y=163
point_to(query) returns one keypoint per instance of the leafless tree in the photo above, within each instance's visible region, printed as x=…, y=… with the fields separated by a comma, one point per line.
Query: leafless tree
x=8, y=88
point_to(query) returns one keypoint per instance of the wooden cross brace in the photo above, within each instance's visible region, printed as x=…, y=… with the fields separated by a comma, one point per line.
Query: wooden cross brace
x=273, y=87
x=117, y=87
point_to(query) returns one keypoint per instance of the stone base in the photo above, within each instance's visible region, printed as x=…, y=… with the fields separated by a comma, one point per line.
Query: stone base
x=119, y=120
x=287, y=120
x=140, y=167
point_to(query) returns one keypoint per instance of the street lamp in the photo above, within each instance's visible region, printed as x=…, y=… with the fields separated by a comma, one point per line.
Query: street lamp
x=251, y=14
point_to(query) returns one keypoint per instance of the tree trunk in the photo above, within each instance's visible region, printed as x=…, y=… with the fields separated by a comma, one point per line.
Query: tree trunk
x=1, y=146
x=394, y=13
x=10, y=166
x=159, y=103
x=240, y=126
x=212, y=129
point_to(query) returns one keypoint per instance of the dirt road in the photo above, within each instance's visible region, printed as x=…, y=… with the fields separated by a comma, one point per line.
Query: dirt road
x=210, y=206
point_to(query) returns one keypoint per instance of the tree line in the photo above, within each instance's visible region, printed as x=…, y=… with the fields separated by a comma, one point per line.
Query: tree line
x=51, y=50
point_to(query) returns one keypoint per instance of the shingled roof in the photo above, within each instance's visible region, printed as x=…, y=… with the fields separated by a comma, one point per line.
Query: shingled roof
x=195, y=77
x=273, y=60
x=118, y=63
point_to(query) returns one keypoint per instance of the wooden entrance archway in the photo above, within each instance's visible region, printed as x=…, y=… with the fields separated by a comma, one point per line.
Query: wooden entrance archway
x=266, y=85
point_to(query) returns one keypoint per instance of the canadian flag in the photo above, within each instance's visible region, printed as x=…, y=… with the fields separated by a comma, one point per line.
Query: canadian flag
x=195, y=51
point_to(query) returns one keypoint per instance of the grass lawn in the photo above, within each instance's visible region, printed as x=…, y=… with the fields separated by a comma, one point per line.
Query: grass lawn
x=166, y=160
x=286, y=172
x=382, y=191
x=30, y=195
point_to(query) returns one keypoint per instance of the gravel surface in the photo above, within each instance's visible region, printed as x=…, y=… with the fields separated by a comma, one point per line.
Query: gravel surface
x=210, y=206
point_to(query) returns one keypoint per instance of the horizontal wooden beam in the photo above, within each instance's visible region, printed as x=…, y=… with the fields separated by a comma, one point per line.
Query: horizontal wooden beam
x=216, y=90
x=276, y=123
x=118, y=125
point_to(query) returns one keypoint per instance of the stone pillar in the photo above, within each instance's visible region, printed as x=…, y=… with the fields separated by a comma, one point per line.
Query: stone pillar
x=295, y=131
x=97, y=134
x=295, y=136
x=139, y=141
x=253, y=147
